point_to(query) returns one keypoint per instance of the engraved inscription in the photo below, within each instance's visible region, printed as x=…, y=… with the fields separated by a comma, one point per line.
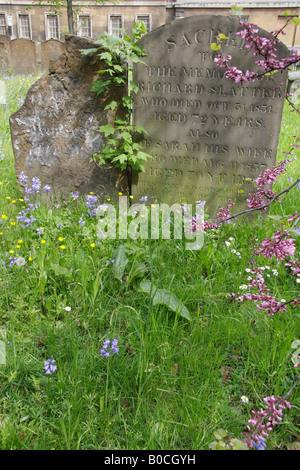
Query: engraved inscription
x=207, y=135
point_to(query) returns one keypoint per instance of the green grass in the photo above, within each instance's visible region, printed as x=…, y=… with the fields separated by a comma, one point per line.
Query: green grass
x=174, y=381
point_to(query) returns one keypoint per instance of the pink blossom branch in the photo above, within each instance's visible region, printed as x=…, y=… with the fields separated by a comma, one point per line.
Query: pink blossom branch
x=267, y=204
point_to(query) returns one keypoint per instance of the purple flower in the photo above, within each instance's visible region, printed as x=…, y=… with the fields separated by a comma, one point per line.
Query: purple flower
x=25, y=219
x=111, y=261
x=260, y=444
x=108, y=346
x=12, y=261
x=75, y=195
x=91, y=204
x=36, y=184
x=49, y=366
x=23, y=178
x=47, y=188
x=81, y=221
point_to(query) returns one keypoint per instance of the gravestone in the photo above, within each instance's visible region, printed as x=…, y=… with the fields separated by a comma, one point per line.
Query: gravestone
x=207, y=135
x=23, y=56
x=50, y=50
x=5, y=54
x=56, y=131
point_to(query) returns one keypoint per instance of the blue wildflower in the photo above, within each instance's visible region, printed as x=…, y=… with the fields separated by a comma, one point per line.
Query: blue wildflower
x=108, y=346
x=49, y=366
x=260, y=444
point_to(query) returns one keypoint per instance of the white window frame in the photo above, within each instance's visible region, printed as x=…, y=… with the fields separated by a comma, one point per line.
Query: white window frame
x=144, y=14
x=47, y=14
x=112, y=15
x=5, y=19
x=19, y=14
x=79, y=24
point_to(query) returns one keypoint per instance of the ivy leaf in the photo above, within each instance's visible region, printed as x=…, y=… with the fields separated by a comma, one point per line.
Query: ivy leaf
x=87, y=51
x=108, y=129
x=106, y=56
x=100, y=86
x=118, y=68
x=121, y=161
x=112, y=105
x=140, y=130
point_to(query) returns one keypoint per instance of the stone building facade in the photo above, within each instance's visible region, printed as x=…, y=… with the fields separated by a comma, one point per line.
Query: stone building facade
x=19, y=19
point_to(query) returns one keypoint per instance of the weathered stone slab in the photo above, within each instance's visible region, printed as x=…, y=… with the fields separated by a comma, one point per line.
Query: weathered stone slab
x=207, y=134
x=5, y=54
x=55, y=133
x=50, y=50
x=23, y=56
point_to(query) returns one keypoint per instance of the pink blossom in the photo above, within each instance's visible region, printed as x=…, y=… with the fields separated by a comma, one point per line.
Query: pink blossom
x=279, y=246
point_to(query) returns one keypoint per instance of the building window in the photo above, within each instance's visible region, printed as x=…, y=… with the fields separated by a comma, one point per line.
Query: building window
x=84, y=26
x=24, y=26
x=2, y=23
x=115, y=25
x=52, y=27
x=145, y=19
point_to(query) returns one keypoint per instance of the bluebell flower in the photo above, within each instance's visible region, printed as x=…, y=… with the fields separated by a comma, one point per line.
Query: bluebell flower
x=260, y=444
x=23, y=178
x=91, y=205
x=108, y=346
x=49, y=366
x=75, y=195
x=36, y=184
x=12, y=261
